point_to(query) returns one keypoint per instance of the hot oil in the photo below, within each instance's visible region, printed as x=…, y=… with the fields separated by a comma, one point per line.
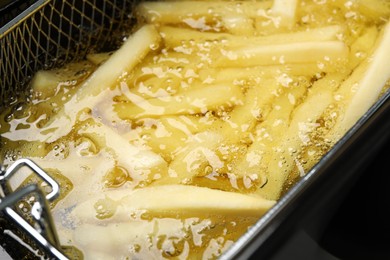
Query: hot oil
x=84, y=164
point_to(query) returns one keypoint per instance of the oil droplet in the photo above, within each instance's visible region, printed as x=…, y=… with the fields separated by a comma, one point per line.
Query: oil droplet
x=105, y=208
x=116, y=177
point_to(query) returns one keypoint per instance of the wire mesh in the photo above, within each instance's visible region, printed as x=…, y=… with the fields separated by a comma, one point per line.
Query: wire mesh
x=47, y=34
x=52, y=32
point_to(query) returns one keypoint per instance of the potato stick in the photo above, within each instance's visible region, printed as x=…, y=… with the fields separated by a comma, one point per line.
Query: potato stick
x=193, y=158
x=362, y=46
x=178, y=11
x=285, y=11
x=304, y=52
x=272, y=157
x=121, y=61
x=188, y=124
x=258, y=73
x=192, y=161
x=165, y=199
x=273, y=126
x=167, y=64
x=49, y=83
x=374, y=8
x=168, y=134
x=258, y=100
x=173, y=132
x=101, y=241
x=199, y=100
x=238, y=24
x=243, y=118
x=165, y=145
x=174, y=36
x=45, y=82
x=369, y=83
x=99, y=58
x=105, y=77
x=133, y=158
x=176, y=58
x=282, y=161
x=155, y=87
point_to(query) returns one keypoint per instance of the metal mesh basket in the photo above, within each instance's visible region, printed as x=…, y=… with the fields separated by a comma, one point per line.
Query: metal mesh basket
x=44, y=34
x=51, y=32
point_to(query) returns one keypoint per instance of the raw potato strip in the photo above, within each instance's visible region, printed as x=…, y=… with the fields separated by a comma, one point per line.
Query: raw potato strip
x=258, y=100
x=174, y=36
x=102, y=241
x=200, y=150
x=374, y=8
x=282, y=162
x=199, y=100
x=105, y=77
x=370, y=82
x=135, y=158
x=285, y=11
x=304, y=52
x=167, y=135
x=193, y=158
x=121, y=62
x=184, y=199
x=238, y=24
x=141, y=164
x=266, y=139
x=99, y=58
x=178, y=11
x=303, y=122
x=217, y=75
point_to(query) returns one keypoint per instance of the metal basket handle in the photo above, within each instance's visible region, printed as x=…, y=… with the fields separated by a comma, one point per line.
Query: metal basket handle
x=43, y=231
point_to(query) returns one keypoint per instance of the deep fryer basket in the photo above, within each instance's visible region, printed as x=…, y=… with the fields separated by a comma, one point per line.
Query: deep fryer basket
x=50, y=33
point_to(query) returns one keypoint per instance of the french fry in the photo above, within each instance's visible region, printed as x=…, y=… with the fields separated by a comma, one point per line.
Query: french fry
x=256, y=107
x=199, y=100
x=374, y=8
x=304, y=52
x=49, y=83
x=102, y=240
x=303, y=122
x=267, y=132
x=283, y=162
x=193, y=158
x=284, y=10
x=165, y=199
x=238, y=24
x=167, y=135
x=99, y=58
x=362, y=47
x=369, y=82
x=134, y=49
x=174, y=36
x=371, y=9
x=135, y=159
x=105, y=77
x=258, y=73
x=176, y=12
x=201, y=151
